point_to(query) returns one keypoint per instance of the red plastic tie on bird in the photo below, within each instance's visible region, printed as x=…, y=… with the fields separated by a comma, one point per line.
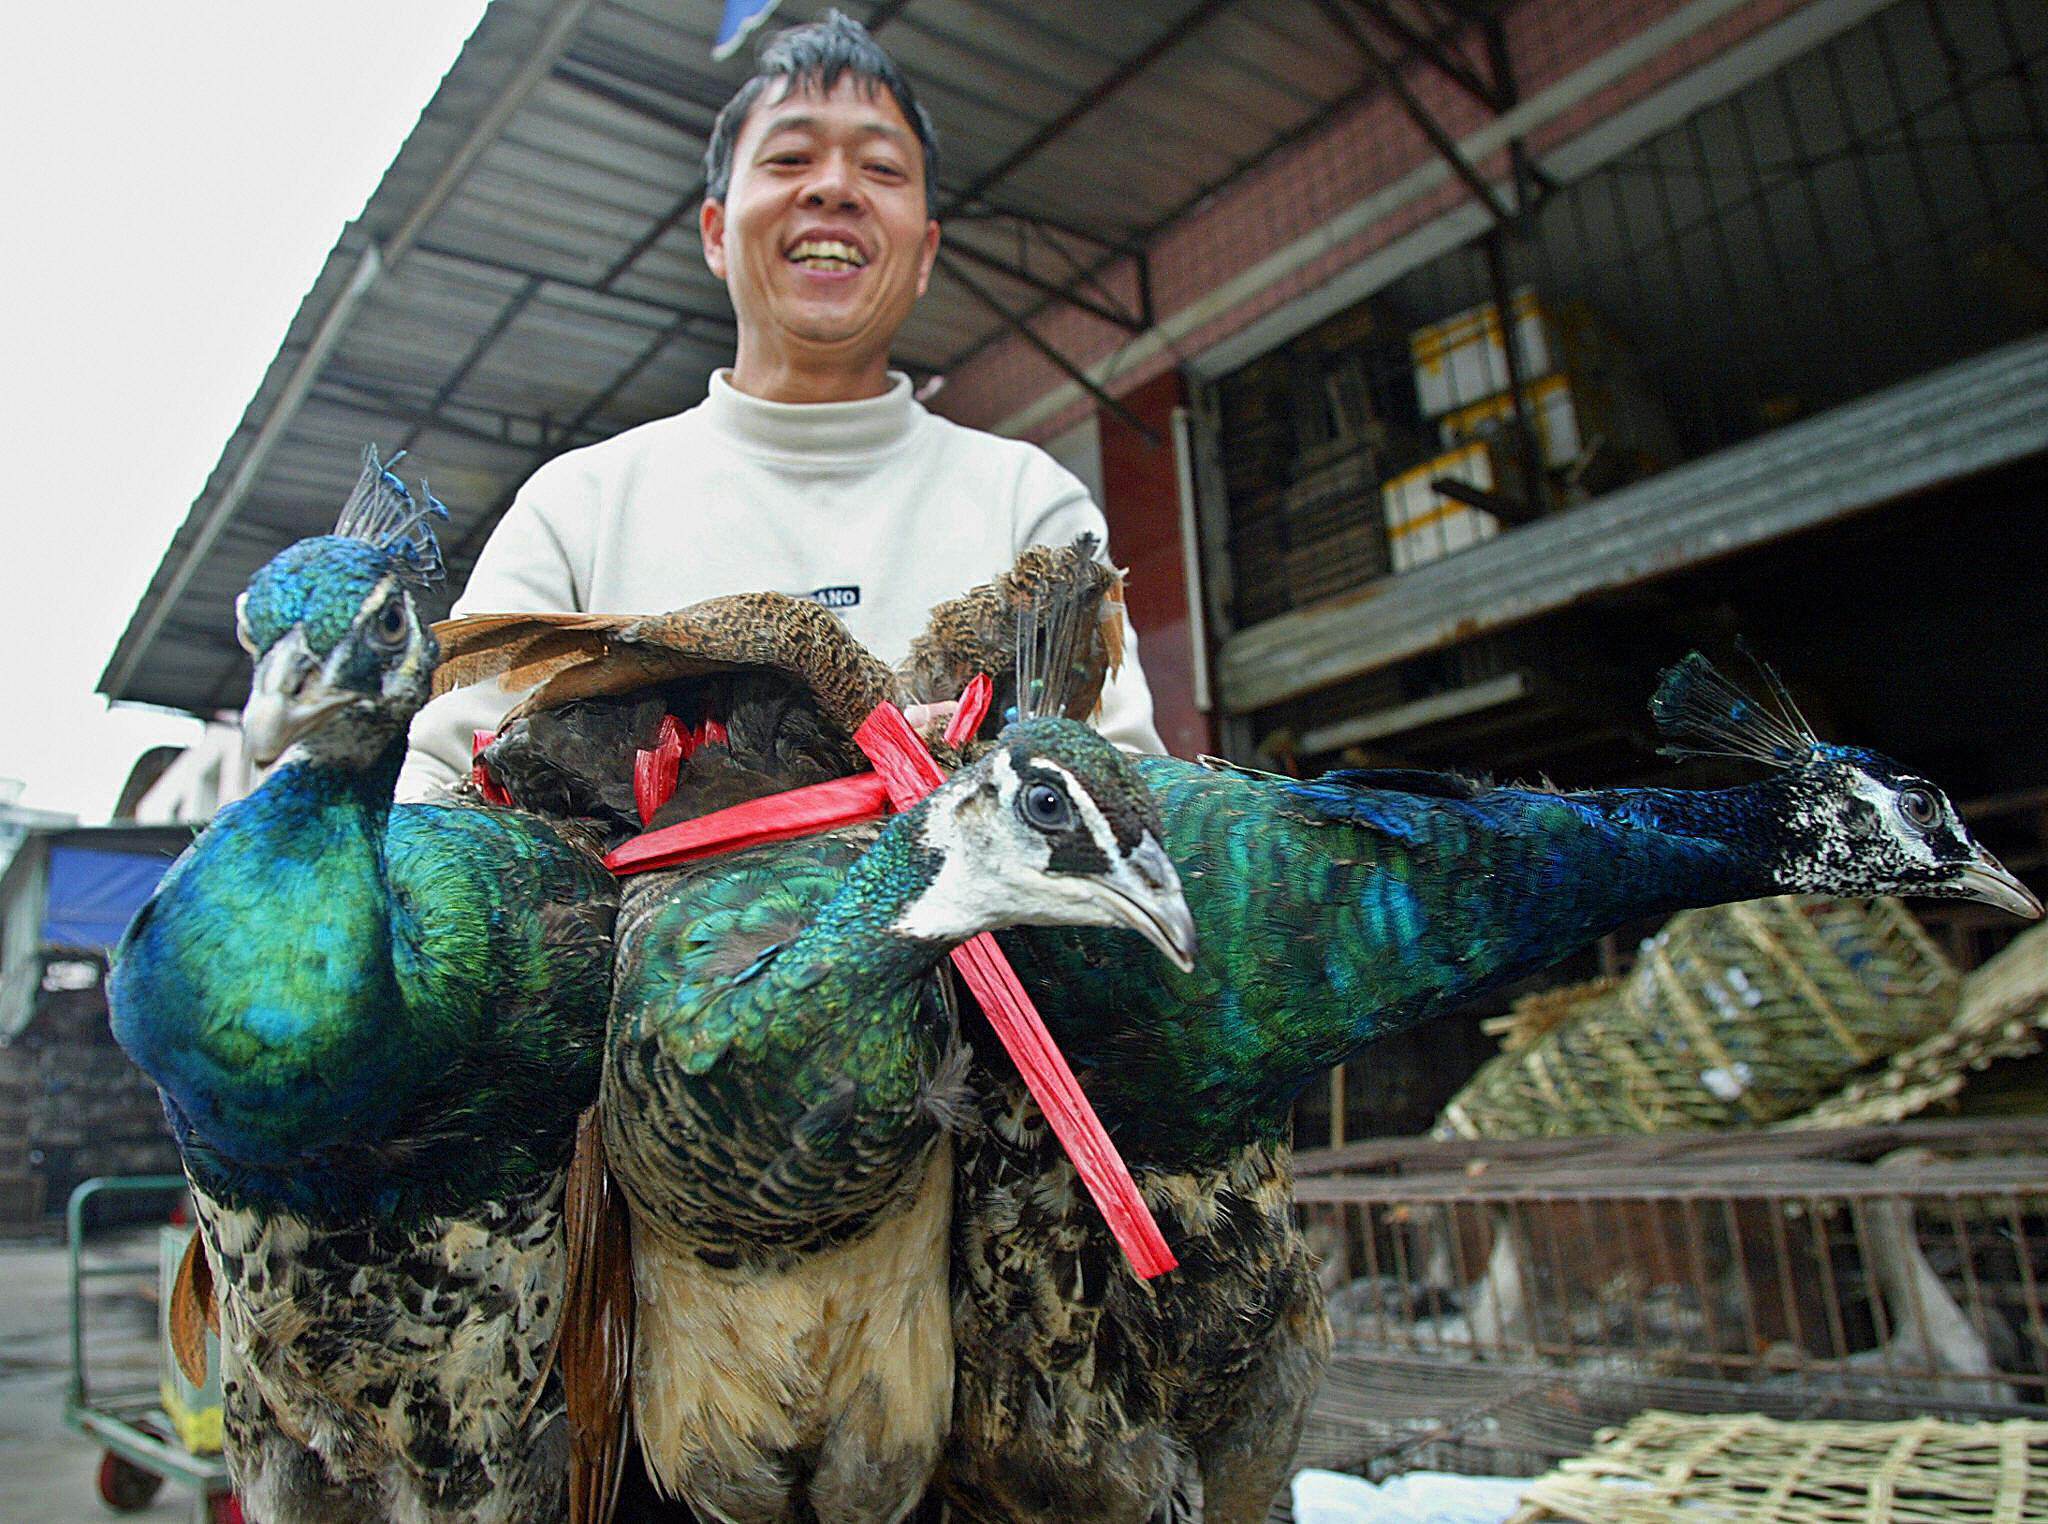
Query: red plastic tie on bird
x=777, y=817
x=973, y=709
x=480, y=772
x=656, y=768
x=907, y=768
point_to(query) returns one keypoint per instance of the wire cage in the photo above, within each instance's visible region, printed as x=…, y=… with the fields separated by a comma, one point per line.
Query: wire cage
x=1496, y=1303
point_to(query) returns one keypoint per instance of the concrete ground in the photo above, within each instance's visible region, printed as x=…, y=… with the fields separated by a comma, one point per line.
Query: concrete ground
x=47, y=1470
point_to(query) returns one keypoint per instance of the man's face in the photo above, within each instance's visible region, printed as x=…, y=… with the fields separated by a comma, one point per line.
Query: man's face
x=823, y=238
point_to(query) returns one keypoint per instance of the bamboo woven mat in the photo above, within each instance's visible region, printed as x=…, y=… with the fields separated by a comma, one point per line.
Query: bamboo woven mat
x=1664, y=1468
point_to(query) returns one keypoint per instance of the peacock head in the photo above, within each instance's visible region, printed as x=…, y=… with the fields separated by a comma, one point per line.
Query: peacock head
x=1858, y=824
x=343, y=657
x=1053, y=826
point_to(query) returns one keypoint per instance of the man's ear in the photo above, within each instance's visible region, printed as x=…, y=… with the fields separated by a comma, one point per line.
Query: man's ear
x=927, y=258
x=711, y=227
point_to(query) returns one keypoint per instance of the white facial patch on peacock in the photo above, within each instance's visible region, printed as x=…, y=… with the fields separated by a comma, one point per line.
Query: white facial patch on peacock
x=996, y=871
x=1852, y=839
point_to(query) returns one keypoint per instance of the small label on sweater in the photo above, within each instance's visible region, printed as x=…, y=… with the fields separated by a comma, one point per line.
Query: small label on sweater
x=836, y=597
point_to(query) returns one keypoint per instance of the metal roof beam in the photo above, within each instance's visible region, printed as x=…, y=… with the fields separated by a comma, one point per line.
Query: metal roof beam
x=507, y=315
x=1031, y=336
x=575, y=425
x=657, y=230
x=986, y=210
x=1437, y=53
x=1307, y=128
x=525, y=431
x=715, y=317
x=1133, y=323
x=1389, y=74
x=637, y=100
x=1172, y=37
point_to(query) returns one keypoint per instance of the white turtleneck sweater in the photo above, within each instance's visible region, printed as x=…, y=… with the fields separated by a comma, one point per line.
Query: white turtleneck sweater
x=876, y=508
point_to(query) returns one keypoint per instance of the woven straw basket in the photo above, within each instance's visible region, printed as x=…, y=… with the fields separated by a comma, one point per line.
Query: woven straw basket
x=1735, y=1016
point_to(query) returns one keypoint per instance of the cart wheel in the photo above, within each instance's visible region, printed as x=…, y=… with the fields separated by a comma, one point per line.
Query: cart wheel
x=125, y=1486
x=227, y=1508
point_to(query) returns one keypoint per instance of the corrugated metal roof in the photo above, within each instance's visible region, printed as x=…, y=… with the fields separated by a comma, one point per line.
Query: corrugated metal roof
x=527, y=276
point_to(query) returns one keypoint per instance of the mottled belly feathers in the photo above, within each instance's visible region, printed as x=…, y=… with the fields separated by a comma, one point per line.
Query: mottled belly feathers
x=333, y=1414
x=1088, y=1396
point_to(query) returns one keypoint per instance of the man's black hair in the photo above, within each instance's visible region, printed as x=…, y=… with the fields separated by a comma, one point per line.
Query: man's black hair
x=815, y=57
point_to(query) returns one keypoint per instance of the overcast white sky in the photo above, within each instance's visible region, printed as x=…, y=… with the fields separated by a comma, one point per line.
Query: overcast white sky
x=176, y=173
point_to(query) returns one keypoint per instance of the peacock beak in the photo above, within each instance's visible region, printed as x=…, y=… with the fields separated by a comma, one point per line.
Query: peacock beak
x=1988, y=880
x=287, y=698
x=1143, y=892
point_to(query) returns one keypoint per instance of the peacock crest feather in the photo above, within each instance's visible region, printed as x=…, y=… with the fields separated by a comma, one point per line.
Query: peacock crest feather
x=321, y=583
x=384, y=515
x=1056, y=632
x=1702, y=713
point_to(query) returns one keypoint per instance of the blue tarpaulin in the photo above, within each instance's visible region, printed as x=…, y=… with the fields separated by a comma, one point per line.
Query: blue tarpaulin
x=93, y=893
x=741, y=17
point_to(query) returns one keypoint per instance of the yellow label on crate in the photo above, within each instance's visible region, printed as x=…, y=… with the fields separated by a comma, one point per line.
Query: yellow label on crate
x=1435, y=515
x=1428, y=346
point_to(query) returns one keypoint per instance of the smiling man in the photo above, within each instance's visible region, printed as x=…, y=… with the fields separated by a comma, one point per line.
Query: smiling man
x=810, y=468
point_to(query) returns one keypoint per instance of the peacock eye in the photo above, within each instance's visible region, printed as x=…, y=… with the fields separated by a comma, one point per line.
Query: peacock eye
x=1046, y=807
x=388, y=622
x=1919, y=807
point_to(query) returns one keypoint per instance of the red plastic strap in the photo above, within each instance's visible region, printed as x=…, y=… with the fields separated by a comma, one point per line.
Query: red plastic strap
x=974, y=701
x=655, y=769
x=480, y=774
x=907, y=768
x=796, y=812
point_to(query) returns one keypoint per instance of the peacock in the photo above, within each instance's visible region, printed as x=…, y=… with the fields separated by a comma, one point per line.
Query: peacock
x=781, y=1082
x=1331, y=912
x=374, y=1028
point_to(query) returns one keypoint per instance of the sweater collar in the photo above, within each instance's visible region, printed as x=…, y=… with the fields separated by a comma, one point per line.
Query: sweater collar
x=814, y=430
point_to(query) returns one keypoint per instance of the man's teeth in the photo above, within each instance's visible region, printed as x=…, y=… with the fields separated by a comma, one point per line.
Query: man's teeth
x=828, y=255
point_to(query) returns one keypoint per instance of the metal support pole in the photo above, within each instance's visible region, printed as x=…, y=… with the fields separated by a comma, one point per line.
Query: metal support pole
x=1434, y=51
x=1535, y=490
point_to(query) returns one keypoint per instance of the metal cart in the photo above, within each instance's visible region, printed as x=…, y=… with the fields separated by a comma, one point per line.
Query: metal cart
x=142, y=1448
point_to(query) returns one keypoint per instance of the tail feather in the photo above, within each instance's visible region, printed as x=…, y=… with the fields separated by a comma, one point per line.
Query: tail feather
x=1060, y=605
x=597, y=1315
